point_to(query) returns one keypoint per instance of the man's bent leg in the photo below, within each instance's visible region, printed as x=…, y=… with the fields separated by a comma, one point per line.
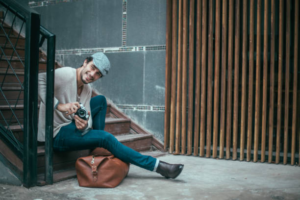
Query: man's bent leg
x=69, y=139
x=98, y=111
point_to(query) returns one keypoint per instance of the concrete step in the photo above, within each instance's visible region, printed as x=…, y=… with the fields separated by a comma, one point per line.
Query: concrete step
x=57, y=176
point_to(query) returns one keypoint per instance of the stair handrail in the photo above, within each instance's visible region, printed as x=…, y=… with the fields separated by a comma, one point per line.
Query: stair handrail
x=49, y=102
x=32, y=19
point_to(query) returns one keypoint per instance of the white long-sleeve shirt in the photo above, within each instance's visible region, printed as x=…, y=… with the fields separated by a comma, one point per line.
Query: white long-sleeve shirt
x=65, y=91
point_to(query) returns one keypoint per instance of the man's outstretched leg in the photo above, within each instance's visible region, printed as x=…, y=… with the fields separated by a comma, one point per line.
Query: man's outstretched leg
x=69, y=138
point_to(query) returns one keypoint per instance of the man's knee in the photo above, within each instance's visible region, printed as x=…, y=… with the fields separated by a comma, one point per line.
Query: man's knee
x=101, y=99
x=107, y=136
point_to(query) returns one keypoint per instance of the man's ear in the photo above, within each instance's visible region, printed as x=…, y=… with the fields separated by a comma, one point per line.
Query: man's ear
x=85, y=63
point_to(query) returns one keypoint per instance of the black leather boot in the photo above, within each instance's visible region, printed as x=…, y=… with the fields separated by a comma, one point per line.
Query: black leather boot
x=169, y=170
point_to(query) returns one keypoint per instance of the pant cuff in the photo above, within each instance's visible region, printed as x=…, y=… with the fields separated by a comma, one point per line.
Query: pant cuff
x=156, y=165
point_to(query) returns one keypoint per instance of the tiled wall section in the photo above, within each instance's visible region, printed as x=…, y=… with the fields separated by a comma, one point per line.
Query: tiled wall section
x=132, y=34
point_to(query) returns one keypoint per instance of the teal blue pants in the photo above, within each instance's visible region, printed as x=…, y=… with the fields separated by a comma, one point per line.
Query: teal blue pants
x=69, y=138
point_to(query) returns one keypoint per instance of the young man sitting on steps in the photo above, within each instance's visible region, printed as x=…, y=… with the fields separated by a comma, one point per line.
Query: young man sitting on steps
x=71, y=132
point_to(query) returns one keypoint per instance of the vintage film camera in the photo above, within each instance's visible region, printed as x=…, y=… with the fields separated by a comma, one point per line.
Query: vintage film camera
x=82, y=112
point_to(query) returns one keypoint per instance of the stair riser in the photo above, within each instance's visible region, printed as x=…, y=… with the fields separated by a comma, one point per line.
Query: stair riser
x=14, y=41
x=9, y=114
x=114, y=127
x=117, y=128
x=18, y=135
x=11, y=95
x=8, y=30
x=10, y=52
x=19, y=65
x=11, y=78
x=11, y=101
x=61, y=160
x=139, y=145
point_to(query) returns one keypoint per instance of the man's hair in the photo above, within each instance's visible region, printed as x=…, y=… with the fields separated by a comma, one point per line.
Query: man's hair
x=88, y=59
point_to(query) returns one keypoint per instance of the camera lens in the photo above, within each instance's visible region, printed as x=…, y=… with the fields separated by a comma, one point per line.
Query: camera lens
x=82, y=113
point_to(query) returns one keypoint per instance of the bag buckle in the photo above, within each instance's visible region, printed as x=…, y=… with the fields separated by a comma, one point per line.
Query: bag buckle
x=93, y=160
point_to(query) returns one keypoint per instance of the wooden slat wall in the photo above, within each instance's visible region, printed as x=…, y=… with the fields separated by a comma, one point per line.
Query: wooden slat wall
x=272, y=76
x=184, y=74
x=229, y=80
x=232, y=79
x=198, y=78
x=191, y=75
x=203, y=77
x=279, y=85
x=223, y=77
x=168, y=73
x=258, y=81
x=251, y=85
x=295, y=81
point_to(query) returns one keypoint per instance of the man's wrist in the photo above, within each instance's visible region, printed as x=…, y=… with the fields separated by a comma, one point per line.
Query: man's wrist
x=55, y=107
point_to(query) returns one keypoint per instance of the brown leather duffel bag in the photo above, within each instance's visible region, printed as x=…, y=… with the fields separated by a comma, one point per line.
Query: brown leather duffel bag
x=100, y=171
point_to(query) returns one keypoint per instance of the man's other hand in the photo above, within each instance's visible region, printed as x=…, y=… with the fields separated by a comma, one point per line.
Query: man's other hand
x=81, y=124
x=68, y=108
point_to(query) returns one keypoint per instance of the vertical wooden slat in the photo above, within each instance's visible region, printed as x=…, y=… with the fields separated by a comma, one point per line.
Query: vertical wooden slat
x=209, y=78
x=244, y=80
x=229, y=93
x=217, y=77
x=257, y=90
x=198, y=77
x=250, y=94
x=184, y=77
x=203, y=77
x=295, y=82
x=280, y=62
x=265, y=81
x=298, y=122
x=179, y=80
x=236, y=79
x=168, y=74
x=272, y=77
x=223, y=77
x=191, y=77
x=287, y=80
x=173, y=83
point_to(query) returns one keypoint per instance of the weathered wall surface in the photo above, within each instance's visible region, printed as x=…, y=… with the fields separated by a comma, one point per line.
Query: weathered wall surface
x=132, y=34
x=24, y=2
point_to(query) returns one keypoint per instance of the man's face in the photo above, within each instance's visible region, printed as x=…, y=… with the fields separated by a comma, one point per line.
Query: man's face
x=90, y=73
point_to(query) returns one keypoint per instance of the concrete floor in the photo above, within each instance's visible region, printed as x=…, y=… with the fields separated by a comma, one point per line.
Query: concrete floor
x=201, y=178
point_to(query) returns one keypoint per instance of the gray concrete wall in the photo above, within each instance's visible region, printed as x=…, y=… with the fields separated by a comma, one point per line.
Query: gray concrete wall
x=24, y=2
x=132, y=34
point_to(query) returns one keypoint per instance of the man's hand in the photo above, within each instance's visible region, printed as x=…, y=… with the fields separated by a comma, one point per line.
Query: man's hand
x=68, y=108
x=81, y=124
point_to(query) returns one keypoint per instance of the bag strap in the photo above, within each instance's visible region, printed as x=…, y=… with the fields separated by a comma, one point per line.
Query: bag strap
x=94, y=165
